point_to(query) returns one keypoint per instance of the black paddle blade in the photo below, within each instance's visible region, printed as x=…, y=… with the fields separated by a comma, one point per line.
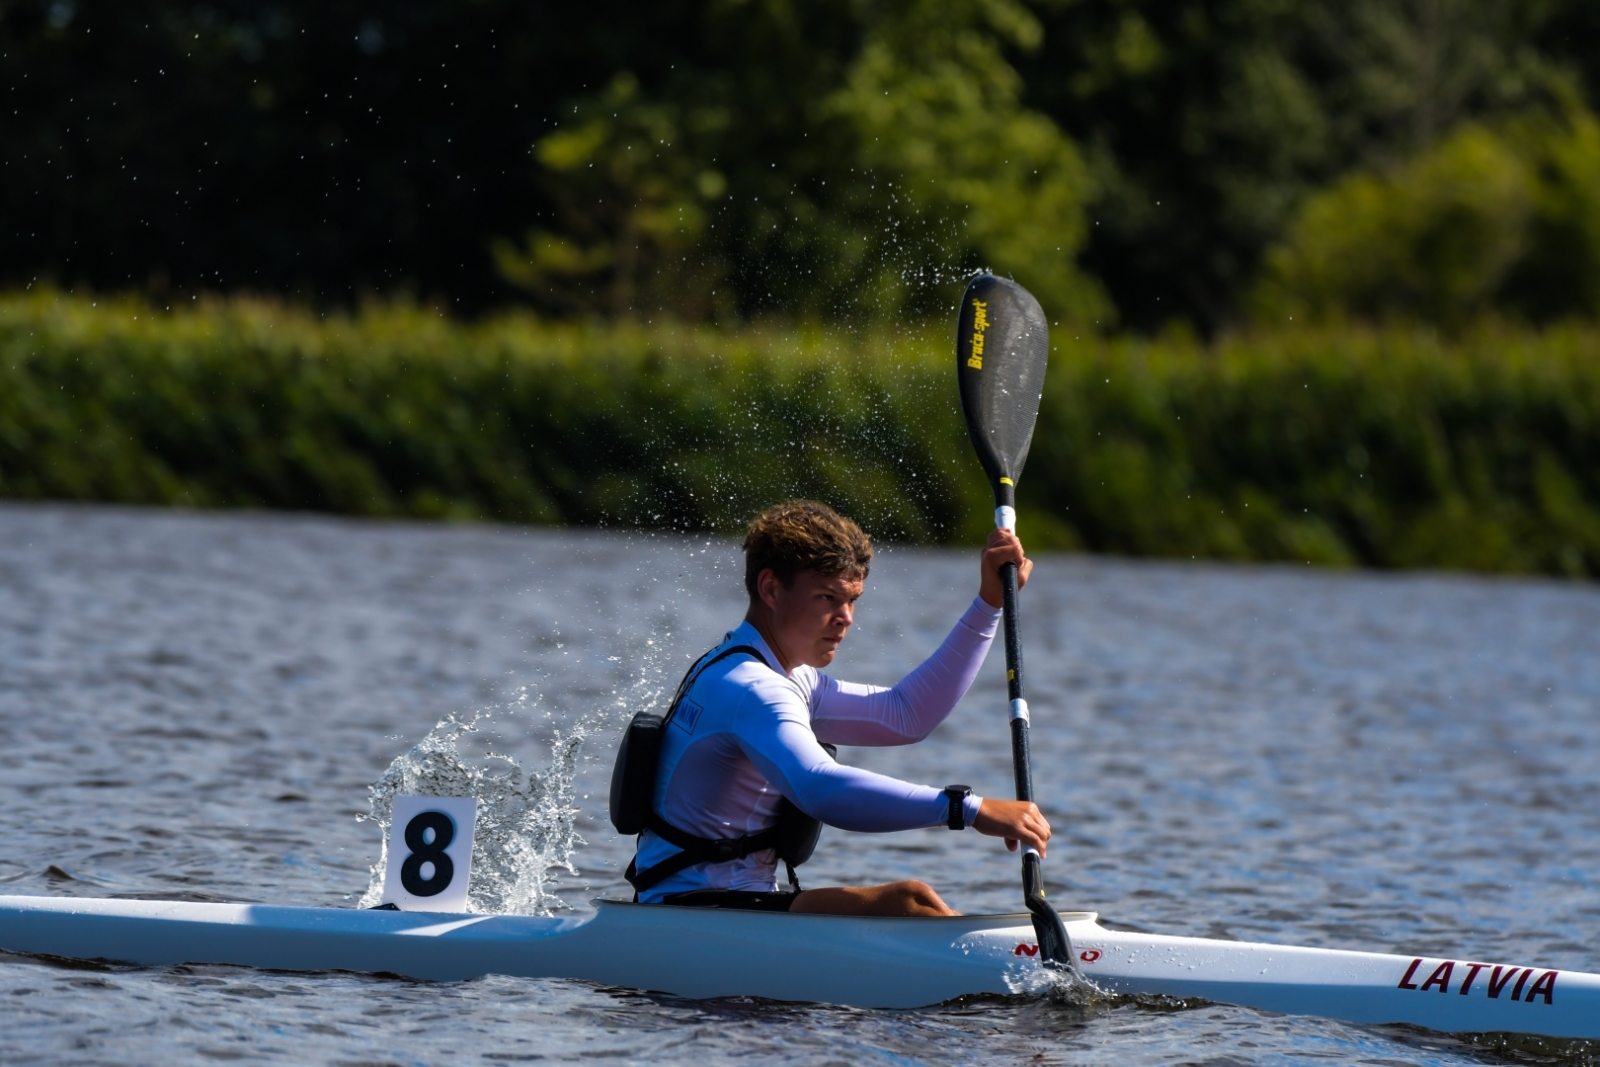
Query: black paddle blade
x=1002, y=345
x=1054, y=944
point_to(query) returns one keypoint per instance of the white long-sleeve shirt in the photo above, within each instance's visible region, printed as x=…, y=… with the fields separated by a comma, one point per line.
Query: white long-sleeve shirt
x=746, y=734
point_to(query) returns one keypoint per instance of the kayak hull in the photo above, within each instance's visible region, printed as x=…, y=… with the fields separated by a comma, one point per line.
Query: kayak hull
x=862, y=962
x=1453, y=996
x=691, y=952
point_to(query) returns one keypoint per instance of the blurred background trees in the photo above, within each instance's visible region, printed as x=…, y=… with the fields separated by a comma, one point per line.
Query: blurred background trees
x=1325, y=273
x=1135, y=162
x=1484, y=220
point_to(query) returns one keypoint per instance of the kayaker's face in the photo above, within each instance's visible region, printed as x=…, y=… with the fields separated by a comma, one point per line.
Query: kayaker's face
x=809, y=619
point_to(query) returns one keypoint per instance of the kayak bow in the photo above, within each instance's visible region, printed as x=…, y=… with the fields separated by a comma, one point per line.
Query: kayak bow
x=863, y=962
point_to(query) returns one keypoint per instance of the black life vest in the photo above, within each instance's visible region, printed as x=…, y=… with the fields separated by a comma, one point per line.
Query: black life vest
x=633, y=788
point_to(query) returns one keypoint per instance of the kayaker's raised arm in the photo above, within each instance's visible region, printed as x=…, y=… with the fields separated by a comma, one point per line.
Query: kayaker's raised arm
x=847, y=713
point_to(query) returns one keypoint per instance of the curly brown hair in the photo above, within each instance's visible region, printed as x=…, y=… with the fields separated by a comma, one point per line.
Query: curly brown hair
x=803, y=535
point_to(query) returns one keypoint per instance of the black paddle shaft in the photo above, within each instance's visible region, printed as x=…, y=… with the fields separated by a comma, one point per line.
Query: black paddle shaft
x=1002, y=346
x=1054, y=944
x=1021, y=756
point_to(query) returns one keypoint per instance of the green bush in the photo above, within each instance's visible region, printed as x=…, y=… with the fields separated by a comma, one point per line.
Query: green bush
x=1383, y=447
x=1504, y=220
x=398, y=412
x=1388, y=448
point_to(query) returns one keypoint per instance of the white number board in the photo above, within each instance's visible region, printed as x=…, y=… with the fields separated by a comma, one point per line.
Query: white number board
x=430, y=853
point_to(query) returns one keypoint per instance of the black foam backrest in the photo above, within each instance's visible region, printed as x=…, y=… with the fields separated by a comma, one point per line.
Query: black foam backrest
x=633, y=779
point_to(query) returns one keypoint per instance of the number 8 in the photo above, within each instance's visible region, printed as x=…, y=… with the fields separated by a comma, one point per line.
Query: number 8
x=444, y=832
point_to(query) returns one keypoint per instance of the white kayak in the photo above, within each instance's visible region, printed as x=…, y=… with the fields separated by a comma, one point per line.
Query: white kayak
x=864, y=962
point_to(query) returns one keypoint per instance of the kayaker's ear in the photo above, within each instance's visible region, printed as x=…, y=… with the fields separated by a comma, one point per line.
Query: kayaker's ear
x=767, y=585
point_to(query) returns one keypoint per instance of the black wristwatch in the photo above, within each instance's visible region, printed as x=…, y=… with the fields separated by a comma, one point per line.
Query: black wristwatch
x=957, y=796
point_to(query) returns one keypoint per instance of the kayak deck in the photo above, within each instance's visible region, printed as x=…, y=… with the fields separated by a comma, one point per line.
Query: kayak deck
x=862, y=962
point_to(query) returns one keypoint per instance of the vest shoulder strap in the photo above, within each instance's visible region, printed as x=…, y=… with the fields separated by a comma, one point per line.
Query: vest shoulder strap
x=697, y=849
x=700, y=667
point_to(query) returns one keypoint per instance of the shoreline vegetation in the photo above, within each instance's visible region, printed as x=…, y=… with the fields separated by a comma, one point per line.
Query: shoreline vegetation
x=1331, y=445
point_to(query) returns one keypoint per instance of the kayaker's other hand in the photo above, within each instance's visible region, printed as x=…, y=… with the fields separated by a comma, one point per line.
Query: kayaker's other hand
x=1014, y=820
x=1003, y=548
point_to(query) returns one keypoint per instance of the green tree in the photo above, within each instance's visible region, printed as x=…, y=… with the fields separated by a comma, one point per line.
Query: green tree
x=1401, y=73
x=932, y=104
x=1489, y=219
x=860, y=178
x=1207, y=123
x=632, y=203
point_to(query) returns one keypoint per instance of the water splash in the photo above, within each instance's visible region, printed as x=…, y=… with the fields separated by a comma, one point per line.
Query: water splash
x=1058, y=985
x=526, y=827
x=526, y=834
x=1077, y=994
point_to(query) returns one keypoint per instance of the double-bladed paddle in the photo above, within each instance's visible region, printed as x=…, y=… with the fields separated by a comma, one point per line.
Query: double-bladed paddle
x=1002, y=345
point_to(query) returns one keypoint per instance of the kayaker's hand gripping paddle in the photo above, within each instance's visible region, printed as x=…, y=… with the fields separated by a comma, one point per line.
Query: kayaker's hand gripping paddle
x=1002, y=345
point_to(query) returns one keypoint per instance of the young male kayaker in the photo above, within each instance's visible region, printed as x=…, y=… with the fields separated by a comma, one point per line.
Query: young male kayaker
x=750, y=728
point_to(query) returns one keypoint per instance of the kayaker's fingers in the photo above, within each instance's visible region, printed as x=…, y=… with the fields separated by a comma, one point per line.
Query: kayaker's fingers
x=1035, y=828
x=1003, y=548
x=1018, y=821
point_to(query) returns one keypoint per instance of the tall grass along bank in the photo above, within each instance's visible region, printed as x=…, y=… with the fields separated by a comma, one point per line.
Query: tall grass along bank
x=1391, y=448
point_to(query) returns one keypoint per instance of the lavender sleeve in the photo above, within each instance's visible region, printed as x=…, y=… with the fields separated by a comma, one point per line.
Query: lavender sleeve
x=846, y=713
x=789, y=756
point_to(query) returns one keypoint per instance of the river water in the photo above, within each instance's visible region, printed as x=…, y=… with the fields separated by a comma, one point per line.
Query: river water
x=193, y=706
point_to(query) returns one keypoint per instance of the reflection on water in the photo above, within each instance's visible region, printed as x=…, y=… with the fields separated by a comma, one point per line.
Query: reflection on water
x=195, y=707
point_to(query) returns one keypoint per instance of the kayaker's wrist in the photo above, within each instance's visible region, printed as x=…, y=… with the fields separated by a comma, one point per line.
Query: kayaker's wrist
x=961, y=804
x=955, y=798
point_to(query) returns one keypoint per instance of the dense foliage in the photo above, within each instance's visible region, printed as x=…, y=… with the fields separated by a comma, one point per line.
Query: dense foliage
x=1484, y=220
x=1208, y=123
x=1390, y=448
x=1129, y=160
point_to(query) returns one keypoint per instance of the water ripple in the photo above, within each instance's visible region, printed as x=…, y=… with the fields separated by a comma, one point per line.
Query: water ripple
x=193, y=706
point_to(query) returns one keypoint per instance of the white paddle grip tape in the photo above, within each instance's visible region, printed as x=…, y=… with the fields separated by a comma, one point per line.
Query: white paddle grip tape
x=1006, y=518
x=1029, y=850
x=1019, y=710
